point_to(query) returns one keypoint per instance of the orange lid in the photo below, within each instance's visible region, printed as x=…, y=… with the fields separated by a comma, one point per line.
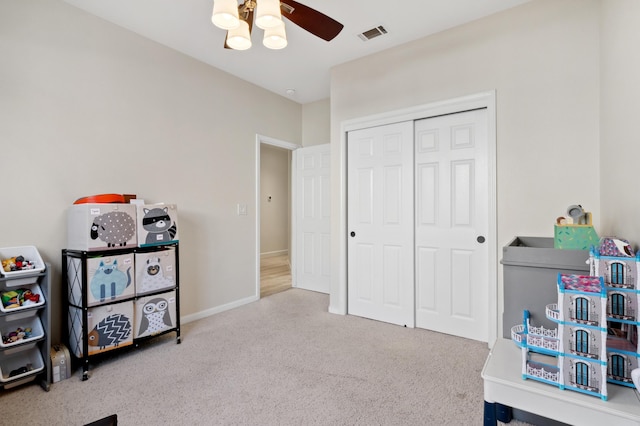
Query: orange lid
x=101, y=199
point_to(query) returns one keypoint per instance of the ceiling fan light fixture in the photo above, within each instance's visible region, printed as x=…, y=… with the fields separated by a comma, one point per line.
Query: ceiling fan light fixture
x=225, y=14
x=239, y=38
x=275, y=37
x=268, y=14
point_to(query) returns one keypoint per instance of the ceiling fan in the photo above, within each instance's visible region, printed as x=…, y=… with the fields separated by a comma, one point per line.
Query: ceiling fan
x=238, y=20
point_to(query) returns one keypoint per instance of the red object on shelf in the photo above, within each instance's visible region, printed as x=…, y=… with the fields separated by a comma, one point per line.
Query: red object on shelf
x=101, y=199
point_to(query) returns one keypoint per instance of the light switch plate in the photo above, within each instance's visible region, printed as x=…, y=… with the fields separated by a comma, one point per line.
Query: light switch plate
x=242, y=209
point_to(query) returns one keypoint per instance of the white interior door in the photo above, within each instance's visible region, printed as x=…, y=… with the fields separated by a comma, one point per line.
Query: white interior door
x=452, y=224
x=380, y=223
x=312, y=267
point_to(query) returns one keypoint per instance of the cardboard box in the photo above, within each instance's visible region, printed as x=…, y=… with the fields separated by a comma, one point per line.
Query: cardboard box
x=60, y=363
x=101, y=226
x=575, y=237
x=157, y=224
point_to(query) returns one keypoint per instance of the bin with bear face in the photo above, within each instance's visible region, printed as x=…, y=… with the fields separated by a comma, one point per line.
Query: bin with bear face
x=108, y=327
x=155, y=314
x=155, y=271
x=101, y=226
x=157, y=224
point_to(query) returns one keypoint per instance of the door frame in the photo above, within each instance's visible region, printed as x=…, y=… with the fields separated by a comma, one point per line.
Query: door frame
x=261, y=139
x=338, y=296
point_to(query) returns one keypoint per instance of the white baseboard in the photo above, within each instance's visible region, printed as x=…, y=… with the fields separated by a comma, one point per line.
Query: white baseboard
x=209, y=312
x=273, y=253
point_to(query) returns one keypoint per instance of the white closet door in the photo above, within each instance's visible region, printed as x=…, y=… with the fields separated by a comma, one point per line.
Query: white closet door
x=380, y=223
x=313, y=219
x=452, y=193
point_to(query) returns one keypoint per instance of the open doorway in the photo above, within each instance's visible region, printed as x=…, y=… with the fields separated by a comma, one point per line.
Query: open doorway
x=274, y=218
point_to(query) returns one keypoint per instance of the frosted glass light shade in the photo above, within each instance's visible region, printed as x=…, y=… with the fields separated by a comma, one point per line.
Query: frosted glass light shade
x=225, y=14
x=268, y=14
x=275, y=37
x=239, y=38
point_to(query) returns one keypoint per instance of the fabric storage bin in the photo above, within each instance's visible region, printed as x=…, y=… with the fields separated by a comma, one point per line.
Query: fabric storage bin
x=26, y=276
x=101, y=226
x=110, y=278
x=155, y=314
x=14, y=299
x=155, y=271
x=17, y=365
x=157, y=224
x=9, y=325
x=108, y=327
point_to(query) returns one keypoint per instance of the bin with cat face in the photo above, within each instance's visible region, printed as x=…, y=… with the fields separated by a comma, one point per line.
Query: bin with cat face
x=109, y=278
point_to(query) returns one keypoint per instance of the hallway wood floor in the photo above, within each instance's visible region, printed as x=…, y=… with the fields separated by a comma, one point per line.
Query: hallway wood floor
x=275, y=274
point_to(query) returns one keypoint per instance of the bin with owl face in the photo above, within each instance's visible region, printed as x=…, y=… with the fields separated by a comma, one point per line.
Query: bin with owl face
x=155, y=314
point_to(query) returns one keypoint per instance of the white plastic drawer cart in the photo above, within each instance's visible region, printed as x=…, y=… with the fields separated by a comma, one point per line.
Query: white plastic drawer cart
x=25, y=327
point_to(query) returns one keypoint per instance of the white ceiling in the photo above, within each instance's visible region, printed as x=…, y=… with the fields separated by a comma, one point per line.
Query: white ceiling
x=304, y=65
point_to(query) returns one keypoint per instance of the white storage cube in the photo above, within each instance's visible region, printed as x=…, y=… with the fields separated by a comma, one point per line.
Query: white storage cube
x=155, y=314
x=21, y=364
x=9, y=325
x=155, y=271
x=101, y=226
x=20, y=306
x=26, y=276
x=157, y=224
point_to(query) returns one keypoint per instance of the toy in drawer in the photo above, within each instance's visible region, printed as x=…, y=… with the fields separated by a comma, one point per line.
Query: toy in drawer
x=20, y=367
x=18, y=330
x=157, y=224
x=21, y=265
x=16, y=299
x=108, y=327
x=101, y=226
x=155, y=271
x=155, y=314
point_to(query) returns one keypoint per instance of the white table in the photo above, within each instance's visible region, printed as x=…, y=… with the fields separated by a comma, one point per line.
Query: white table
x=503, y=384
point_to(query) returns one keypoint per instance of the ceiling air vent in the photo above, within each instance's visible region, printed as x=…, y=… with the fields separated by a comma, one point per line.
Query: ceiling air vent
x=372, y=33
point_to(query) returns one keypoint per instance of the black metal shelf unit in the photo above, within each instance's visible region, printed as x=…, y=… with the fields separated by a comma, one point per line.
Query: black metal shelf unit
x=117, y=331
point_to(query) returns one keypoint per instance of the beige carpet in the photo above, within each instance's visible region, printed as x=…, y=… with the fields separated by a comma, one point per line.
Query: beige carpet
x=281, y=361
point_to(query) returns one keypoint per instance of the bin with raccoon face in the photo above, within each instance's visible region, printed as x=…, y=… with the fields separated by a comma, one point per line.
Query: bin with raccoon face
x=155, y=271
x=157, y=224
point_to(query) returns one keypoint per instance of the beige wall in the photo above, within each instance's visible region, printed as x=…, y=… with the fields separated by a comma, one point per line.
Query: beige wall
x=316, y=129
x=87, y=107
x=275, y=167
x=620, y=144
x=542, y=59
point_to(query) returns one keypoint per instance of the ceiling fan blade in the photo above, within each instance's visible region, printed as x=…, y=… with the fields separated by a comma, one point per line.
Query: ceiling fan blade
x=311, y=20
x=247, y=15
